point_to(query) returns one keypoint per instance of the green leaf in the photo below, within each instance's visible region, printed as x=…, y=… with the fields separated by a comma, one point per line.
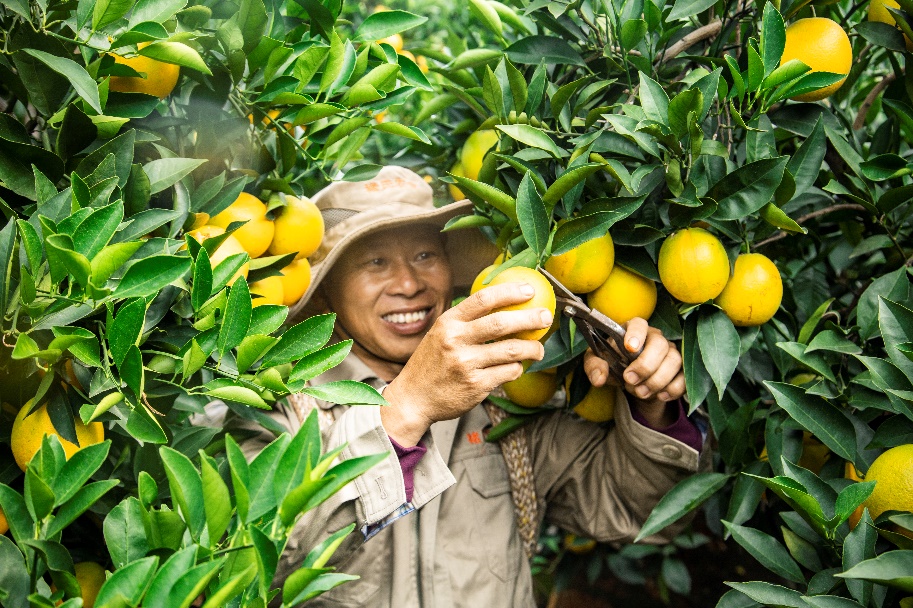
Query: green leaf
x=386, y=23
x=720, y=346
x=15, y=583
x=125, y=329
x=773, y=38
x=217, y=504
x=108, y=11
x=633, y=31
x=186, y=489
x=548, y=50
x=896, y=324
x=770, y=595
x=891, y=569
x=236, y=321
x=805, y=164
x=413, y=133
x=686, y=496
x=301, y=340
x=157, y=11
x=747, y=189
x=654, y=100
x=894, y=286
x=775, y=216
x=202, y=280
x=534, y=137
x=770, y=553
x=124, y=532
x=127, y=585
x=346, y=392
x=165, y=172
x=319, y=361
x=167, y=576
x=697, y=380
x=177, y=53
x=684, y=110
x=238, y=394
x=321, y=554
x=822, y=419
x=148, y=276
x=683, y=9
x=532, y=215
x=77, y=470
x=813, y=360
x=77, y=75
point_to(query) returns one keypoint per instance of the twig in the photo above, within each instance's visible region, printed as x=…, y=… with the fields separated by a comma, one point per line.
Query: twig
x=810, y=216
x=870, y=99
x=688, y=40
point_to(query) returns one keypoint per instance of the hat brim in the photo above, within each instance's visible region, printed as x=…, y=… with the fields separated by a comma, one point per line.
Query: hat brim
x=467, y=250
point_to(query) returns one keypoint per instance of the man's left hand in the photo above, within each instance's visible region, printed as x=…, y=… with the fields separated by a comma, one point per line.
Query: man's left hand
x=654, y=378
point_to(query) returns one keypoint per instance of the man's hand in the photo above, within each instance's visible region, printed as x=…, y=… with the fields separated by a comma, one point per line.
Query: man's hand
x=461, y=360
x=654, y=378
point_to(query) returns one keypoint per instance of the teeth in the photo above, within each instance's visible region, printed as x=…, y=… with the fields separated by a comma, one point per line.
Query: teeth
x=409, y=317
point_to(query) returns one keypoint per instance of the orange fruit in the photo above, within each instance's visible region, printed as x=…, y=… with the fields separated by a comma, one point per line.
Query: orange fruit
x=478, y=283
x=91, y=577
x=395, y=40
x=624, y=295
x=850, y=472
x=422, y=62
x=160, y=77
x=295, y=279
x=598, y=405
x=298, y=228
x=544, y=297
x=4, y=525
x=878, y=11
x=457, y=171
x=585, y=267
x=754, y=291
x=229, y=247
x=270, y=291
x=473, y=152
x=693, y=265
x=532, y=389
x=893, y=474
x=578, y=544
x=257, y=233
x=821, y=44
x=29, y=431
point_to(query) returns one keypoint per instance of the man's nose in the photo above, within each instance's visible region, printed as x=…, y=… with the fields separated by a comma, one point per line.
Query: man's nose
x=407, y=281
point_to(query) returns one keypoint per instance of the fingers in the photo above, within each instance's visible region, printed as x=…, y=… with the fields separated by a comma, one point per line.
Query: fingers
x=650, y=359
x=635, y=334
x=674, y=390
x=505, y=372
x=486, y=300
x=497, y=325
x=660, y=380
x=508, y=351
x=596, y=368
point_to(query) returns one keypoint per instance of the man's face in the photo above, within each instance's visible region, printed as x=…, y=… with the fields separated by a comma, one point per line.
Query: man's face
x=388, y=289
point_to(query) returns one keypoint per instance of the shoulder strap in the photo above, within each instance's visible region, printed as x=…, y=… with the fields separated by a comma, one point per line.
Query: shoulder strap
x=518, y=457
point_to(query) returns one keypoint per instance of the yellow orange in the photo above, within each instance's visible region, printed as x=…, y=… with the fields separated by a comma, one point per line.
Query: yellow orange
x=585, y=267
x=624, y=295
x=4, y=525
x=160, y=77
x=532, y=389
x=821, y=44
x=257, y=233
x=878, y=11
x=893, y=474
x=544, y=296
x=229, y=247
x=754, y=291
x=299, y=228
x=478, y=283
x=91, y=577
x=473, y=152
x=270, y=291
x=598, y=405
x=693, y=265
x=29, y=431
x=395, y=40
x=295, y=279
x=457, y=171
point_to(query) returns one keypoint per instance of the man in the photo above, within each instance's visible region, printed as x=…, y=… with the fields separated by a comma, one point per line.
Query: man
x=389, y=274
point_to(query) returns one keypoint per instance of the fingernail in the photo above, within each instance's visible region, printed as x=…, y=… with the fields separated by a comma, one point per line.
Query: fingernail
x=631, y=378
x=664, y=396
x=546, y=317
x=642, y=391
x=527, y=290
x=633, y=343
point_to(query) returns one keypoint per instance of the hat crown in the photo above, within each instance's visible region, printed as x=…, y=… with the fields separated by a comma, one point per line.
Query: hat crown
x=391, y=185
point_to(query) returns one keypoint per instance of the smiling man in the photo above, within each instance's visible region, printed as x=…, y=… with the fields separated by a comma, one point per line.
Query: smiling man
x=449, y=519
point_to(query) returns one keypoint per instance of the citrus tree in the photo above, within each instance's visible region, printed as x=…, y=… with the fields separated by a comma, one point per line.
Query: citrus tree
x=152, y=161
x=737, y=173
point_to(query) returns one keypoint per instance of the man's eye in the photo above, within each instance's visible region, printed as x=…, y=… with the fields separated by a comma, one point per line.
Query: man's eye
x=376, y=262
x=426, y=255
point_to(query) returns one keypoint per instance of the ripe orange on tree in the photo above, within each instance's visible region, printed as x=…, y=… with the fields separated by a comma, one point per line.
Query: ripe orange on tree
x=257, y=233
x=298, y=227
x=624, y=295
x=270, y=291
x=91, y=577
x=598, y=405
x=585, y=267
x=821, y=44
x=544, y=296
x=4, y=525
x=29, y=431
x=295, y=279
x=160, y=77
x=474, y=149
x=229, y=247
x=457, y=171
x=878, y=11
x=893, y=474
x=693, y=265
x=754, y=291
x=532, y=389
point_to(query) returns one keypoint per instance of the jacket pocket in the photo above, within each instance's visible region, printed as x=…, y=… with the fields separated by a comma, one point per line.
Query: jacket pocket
x=494, y=513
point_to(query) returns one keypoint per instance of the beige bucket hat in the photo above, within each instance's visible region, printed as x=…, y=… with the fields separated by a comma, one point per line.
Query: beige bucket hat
x=395, y=197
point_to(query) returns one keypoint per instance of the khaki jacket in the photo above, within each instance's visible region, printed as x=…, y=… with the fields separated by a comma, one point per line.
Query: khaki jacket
x=458, y=545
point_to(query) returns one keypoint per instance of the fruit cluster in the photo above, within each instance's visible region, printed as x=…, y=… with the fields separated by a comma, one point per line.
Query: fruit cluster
x=296, y=228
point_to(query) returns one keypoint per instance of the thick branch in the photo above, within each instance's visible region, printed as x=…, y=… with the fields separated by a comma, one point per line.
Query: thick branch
x=702, y=33
x=870, y=99
x=811, y=216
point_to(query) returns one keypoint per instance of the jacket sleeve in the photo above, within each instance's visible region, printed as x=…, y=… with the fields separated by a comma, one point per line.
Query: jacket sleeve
x=372, y=501
x=603, y=483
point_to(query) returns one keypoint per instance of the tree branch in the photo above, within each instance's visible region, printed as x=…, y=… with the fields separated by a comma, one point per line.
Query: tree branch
x=870, y=99
x=811, y=216
x=702, y=33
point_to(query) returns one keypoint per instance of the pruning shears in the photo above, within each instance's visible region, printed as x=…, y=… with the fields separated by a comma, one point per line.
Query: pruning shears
x=603, y=335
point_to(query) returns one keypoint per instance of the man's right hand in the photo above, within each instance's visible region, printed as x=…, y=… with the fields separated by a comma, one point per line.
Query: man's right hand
x=461, y=359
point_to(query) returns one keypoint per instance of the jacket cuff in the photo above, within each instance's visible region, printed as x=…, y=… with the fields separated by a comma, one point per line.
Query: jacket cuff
x=653, y=444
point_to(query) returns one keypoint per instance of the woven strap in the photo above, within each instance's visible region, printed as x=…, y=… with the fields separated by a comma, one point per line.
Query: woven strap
x=517, y=455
